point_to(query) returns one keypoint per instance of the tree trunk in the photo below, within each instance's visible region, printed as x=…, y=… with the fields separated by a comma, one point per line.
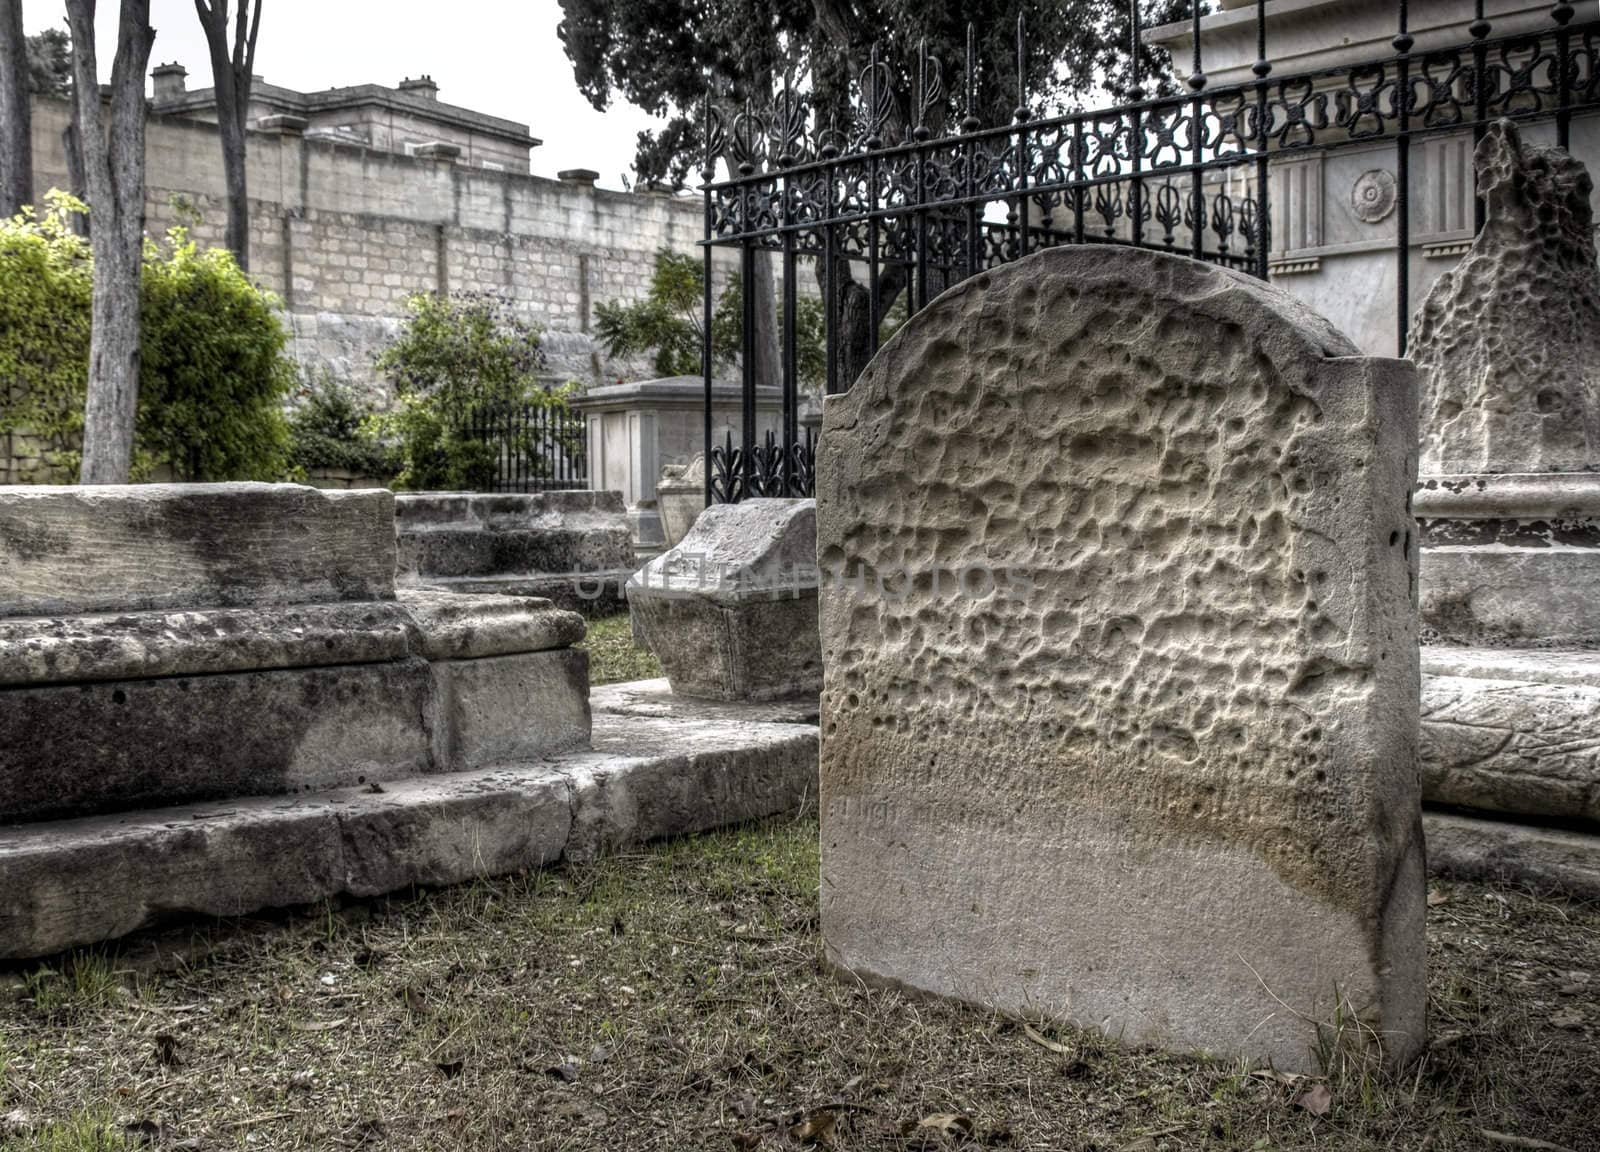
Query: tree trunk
x=113, y=162
x=231, y=75
x=72, y=145
x=16, y=117
x=764, y=342
x=852, y=313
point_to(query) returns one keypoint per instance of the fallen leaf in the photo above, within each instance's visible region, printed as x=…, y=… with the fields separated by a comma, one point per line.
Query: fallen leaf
x=18, y=1122
x=450, y=1068
x=564, y=1072
x=1572, y=1020
x=319, y=1025
x=416, y=1003
x=744, y=1141
x=1437, y=896
x=1317, y=1099
x=817, y=1128
x=951, y=1124
x=1142, y=1144
x=744, y=1105
x=1045, y=1042
x=599, y=1054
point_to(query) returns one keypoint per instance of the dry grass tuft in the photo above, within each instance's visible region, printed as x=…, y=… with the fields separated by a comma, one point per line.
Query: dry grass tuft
x=676, y=999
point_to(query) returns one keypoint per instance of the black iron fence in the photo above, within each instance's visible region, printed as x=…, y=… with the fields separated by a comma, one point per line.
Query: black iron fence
x=529, y=446
x=910, y=214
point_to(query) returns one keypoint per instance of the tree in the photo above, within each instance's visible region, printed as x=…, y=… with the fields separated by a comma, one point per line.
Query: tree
x=50, y=63
x=16, y=117
x=663, y=54
x=232, y=69
x=113, y=162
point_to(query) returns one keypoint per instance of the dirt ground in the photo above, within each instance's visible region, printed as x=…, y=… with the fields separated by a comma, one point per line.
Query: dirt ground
x=675, y=999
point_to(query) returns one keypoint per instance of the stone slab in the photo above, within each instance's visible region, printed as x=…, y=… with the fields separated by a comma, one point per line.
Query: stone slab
x=1152, y=768
x=82, y=881
x=655, y=699
x=107, y=746
x=1543, y=665
x=514, y=707
x=79, y=550
x=205, y=641
x=1549, y=860
x=1512, y=746
x=454, y=626
x=456, y=534
x=587, y=593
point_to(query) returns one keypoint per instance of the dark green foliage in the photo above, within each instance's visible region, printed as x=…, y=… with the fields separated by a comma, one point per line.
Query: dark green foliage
x=50, y=63
x=662, y=54
x=456, y=359
x=214, y=370
x=332, y=428
x=666, y=324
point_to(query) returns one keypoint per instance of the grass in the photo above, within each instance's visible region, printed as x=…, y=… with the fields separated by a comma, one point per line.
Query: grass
x=613, y=656
x=676, y=998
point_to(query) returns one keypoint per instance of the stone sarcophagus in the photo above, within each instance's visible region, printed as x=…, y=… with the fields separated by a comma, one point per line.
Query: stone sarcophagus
x=163, y=644
x=1118, y=619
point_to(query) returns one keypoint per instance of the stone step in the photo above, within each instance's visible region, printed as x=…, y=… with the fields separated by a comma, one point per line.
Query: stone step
x=657, y=768
x=1470, y=847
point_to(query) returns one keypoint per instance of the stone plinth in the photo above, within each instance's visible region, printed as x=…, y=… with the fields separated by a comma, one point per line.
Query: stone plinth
x=639, y=427
x=570, y=547
x=168, y=644
x=1510, y=561
x=1120, y=707
x=731, y=612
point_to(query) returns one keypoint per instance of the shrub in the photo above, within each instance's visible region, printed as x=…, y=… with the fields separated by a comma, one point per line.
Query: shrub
x=455, y=360
x=214, y=370
x=333, y=428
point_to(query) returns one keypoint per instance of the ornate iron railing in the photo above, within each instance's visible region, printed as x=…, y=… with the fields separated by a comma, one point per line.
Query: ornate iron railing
x=1187, y=173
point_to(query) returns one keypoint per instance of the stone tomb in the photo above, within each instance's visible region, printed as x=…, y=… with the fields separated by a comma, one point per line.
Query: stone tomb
x=161, y=644
x=1120, y=705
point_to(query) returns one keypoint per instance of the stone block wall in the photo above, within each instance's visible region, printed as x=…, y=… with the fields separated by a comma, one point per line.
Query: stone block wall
x=343, y=234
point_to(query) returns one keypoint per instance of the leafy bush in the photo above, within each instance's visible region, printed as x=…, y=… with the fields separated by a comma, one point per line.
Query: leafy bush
x=46, y=280
x=333, y=428
x=455, y=360
x=667, y=324
x=214, y=369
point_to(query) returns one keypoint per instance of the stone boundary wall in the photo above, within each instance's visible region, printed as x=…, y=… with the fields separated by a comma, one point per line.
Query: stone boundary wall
x=344, y=234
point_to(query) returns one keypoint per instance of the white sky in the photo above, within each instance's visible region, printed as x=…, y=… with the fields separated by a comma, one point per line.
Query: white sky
x=500, y=57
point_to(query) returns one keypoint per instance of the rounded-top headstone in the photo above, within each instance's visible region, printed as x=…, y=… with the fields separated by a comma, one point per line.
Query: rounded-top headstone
x=1118, y=621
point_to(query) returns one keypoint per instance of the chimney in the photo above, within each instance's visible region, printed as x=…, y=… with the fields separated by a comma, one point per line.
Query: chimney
x=582, y=177
x=169, y=81
x=422, y=86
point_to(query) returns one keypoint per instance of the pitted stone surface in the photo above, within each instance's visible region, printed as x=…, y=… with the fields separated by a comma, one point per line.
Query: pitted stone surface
x=731, y=612
x=1144, y=756
x=74, y=550
x=1507, y=343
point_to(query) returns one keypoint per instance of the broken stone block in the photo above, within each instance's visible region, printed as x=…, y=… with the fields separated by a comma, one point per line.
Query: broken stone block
x=572, y=548
x=1507, y=343
x=731, y=612
x=1120, y=707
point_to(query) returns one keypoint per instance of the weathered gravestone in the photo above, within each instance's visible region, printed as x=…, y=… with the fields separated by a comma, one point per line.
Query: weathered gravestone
x=1119, y=717
x=1507, y=343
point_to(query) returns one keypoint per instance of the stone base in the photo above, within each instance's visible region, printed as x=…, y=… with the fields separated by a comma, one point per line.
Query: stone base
x=1510, y=560
x=1545, y=860
x=756, y=650
x=655, y=770
x=1512, y=731
x=106, y=713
